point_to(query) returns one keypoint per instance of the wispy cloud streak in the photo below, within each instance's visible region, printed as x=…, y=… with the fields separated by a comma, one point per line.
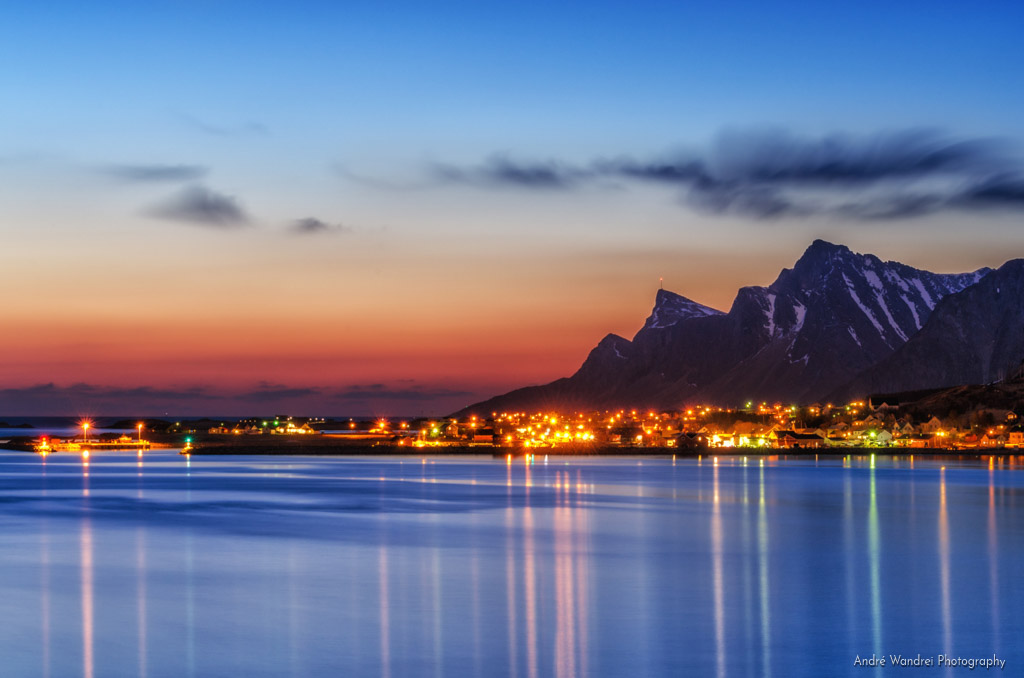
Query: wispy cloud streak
x=155, y=173
x=313, y=226
x=765, y=174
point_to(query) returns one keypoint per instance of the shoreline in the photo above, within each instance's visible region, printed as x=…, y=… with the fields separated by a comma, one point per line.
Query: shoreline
x=518, y=452
x=334, y=447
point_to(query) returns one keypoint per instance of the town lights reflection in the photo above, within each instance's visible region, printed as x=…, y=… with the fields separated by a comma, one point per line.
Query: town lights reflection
x=993, y=553
x=851, y=552
x=530, y=586
x=718, y=575
x=947, y=614
x=570, y=587
x=762, y=557
x=44, y=586
x=510, y=588
x=87, y=598
x=190, y=606
x=436, y=587
x=140, y=594
x=385, y=610
x=474, y=574
x=874, y=556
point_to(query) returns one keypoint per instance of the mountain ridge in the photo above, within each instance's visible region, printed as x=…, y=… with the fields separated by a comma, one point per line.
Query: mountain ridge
x=818, y=326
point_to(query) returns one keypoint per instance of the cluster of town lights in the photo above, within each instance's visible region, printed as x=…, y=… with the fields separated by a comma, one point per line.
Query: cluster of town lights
x=754, y=426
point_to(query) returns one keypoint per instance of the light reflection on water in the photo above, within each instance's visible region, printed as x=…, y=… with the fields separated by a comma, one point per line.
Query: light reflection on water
x=947, y=613
x=874, y=553
x=723, y=566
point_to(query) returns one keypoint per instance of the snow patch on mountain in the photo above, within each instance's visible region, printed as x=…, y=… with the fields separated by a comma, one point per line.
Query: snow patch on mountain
x=770, y=313
x=913, y=310
x=888, y=314
x=924, y=293
x=867, y=311
x=671, y=308
x=874, y=280
x=801, y=313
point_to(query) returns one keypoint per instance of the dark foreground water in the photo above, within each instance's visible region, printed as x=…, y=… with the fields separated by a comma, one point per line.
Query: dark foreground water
x=447, y=567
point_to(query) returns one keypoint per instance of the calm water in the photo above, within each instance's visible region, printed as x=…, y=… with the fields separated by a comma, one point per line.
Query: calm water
x=448, y=567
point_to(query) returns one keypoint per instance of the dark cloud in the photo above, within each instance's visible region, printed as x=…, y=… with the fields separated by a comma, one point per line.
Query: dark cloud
x=155, y=173
x=760, y=202
x=500, y=171
x=778, y=157
x=767, y=174
x=1006, y=190
x=383, y=392
x=82, y=398
x=247, y=128
x=894, y=207
x=200, y=205
x=267, y=392
x=83, y=390
x=312, y=225
x=405, y=396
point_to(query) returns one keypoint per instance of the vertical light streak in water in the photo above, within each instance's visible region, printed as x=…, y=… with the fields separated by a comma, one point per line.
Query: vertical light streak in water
x=44, y=583
x=874, y=558
x=850, y=558
x=565, y=599
x=435, y=567
x=582, y=532
x=530, y=586
x=748, y=565
x=140, y=580
x=190, y=610
x=45, y=591
x=385, y=611
x=140, y=598
x=296, y=651
x=947, y=614
x=529, y=573
x=762, y=557
x=86, y=560
x=87, y=598
x=993, y=559
x=510, y=586
x=510, y=577
x=717, y=574
x=474, y=573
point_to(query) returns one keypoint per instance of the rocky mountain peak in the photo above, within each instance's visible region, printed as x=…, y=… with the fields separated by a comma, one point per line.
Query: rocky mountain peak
x=670, y=308
x=835, y=315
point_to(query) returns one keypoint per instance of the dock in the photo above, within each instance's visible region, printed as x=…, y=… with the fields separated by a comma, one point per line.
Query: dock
x=124, y=443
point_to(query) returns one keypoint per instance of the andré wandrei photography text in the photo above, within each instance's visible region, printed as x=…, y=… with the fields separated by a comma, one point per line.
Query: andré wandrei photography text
x=526, y=339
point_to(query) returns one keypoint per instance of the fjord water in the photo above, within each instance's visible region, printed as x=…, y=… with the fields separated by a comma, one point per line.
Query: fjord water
x=169, y=566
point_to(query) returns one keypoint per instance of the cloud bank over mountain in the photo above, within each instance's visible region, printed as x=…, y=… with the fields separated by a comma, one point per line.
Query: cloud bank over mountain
x=772, y=173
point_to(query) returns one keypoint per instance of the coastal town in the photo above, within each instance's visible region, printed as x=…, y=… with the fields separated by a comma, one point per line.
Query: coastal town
x=763, y=425
x=858, y=424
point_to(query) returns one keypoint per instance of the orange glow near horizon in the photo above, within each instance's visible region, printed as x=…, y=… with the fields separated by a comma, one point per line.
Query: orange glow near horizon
x=180, y=309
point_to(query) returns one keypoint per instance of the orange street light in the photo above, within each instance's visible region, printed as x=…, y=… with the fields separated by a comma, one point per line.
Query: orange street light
x=85, y=430
x=140, y=433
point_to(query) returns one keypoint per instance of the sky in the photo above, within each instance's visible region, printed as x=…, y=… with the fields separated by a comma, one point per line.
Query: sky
x=403, y=208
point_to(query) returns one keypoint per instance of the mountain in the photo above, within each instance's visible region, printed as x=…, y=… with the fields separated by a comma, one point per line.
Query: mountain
x=834, y=315
x=973, y=337
x=671, y=308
